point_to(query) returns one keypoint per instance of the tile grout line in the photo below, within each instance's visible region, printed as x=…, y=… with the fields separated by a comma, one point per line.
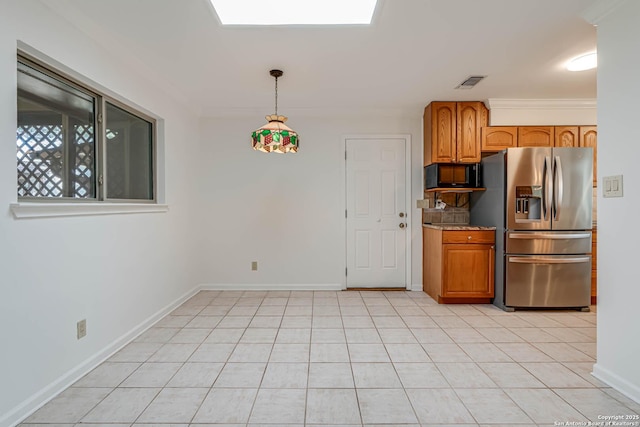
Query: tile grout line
x=210, y=389
x=266, y=366
x=398, y=308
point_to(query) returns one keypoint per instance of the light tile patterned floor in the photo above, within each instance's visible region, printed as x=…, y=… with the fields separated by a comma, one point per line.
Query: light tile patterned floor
x=234, y=358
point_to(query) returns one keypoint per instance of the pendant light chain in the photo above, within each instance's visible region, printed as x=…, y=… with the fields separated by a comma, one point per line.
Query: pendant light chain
x=276, y=95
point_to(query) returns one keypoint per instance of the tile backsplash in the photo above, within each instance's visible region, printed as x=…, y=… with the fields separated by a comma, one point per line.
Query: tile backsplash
x=456, y=211
x=446, y=216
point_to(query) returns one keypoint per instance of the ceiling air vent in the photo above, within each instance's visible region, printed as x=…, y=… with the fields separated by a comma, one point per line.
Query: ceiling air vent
x=470, y=82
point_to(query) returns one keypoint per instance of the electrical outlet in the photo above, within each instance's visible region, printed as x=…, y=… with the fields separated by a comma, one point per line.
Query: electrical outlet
x=82, y=328
x=254, y=265
x=422, y=204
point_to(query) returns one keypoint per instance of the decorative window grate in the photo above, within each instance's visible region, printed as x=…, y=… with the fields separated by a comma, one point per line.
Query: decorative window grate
x=41, y=162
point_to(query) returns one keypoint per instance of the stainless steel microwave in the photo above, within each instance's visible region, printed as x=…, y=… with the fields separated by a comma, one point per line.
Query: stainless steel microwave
x=452, y=175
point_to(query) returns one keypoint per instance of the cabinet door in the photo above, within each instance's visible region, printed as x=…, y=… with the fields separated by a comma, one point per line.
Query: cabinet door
x=443, y=132
x=535, y=136
x=566, y=136
x=471, y=117
x=432, y=261
x=496, y=138
x=467, y=270
x=589, y=138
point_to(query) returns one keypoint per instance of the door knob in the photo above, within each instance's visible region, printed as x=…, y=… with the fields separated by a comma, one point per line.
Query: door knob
x=402, y=225
x=401, y=214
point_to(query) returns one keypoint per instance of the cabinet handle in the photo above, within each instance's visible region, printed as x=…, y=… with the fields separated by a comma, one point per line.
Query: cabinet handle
x=468, y=237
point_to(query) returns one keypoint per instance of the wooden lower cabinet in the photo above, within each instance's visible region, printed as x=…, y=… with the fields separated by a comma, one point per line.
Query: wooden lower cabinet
x=458, y=265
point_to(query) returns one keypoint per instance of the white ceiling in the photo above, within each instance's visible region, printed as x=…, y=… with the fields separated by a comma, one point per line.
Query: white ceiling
x=415, y=51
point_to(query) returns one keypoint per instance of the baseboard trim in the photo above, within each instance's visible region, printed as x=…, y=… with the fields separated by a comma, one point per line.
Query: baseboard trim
x=287, y=287
x=42, y=397
x=270, y=287
x=632, y=391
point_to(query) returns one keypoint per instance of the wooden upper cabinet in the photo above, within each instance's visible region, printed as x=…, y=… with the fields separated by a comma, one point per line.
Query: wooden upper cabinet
x=566, y=136
x=535, y=136
x=471, y=117
x=496, y=138
x=452, y=131
x=589, y=138
x=439, y=132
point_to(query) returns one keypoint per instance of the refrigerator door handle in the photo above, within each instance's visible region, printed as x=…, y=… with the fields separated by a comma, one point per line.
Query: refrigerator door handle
x=546, y=190
x=550, y=236
x=548, y=260
x=558, y=184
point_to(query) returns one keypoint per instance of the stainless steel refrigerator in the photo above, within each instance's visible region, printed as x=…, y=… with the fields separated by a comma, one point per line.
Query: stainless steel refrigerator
x=540, y=201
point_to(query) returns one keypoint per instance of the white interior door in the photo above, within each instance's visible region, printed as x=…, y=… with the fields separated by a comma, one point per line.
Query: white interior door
x=376, y=216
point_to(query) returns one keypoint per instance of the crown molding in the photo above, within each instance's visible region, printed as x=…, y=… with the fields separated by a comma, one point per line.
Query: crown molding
x=600, y=9
x=541, y=104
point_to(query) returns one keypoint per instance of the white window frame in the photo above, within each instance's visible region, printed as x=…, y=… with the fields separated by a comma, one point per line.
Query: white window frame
x=34, y=207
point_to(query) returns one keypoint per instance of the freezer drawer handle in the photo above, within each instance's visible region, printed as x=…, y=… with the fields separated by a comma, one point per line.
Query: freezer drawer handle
x=550, y=236
x=548, y=260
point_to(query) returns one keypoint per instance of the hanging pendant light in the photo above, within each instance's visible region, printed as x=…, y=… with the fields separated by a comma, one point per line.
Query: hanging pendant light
x=275, y=136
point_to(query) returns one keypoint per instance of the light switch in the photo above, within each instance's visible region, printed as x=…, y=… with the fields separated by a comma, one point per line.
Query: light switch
x=612, y=186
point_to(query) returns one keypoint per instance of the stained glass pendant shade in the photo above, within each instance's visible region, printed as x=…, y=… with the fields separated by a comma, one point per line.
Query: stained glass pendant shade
x=275, y=136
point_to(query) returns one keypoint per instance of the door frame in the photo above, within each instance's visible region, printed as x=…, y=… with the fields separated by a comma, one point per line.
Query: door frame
x=407, y=199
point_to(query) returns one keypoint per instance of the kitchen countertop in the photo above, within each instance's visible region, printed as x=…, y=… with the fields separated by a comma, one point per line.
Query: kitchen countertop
x=458, y=227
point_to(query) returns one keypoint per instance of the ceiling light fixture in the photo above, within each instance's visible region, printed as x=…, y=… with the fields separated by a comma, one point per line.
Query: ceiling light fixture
x=275, y=136
x=294, y=12
x=583, y=62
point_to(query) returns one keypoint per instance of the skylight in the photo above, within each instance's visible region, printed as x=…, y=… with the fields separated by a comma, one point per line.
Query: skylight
x=295, y=12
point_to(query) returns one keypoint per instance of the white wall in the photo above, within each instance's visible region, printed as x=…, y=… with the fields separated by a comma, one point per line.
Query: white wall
x=618, y=154
x=284, y=211
x=549, y=112
x=115, y=271
x=287, y=211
